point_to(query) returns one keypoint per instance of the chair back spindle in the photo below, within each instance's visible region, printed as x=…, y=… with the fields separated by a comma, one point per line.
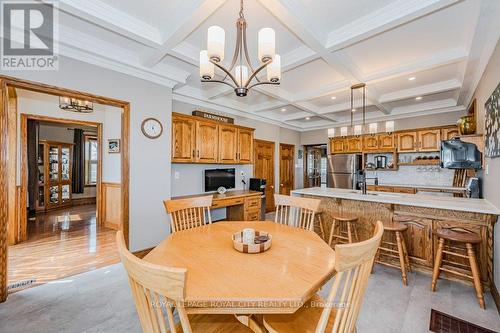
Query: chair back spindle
x=296, y=211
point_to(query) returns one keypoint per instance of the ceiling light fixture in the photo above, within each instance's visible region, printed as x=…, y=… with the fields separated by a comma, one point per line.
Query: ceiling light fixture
x=283, y=110
x=75, y=105
x=307, y=118
x=411, y=78
x=244, y=73
x=333, y=97
x=418, y=98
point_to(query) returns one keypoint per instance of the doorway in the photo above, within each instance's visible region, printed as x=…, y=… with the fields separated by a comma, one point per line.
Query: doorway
x=315, y=165
x=287, y=168
x=264, y=168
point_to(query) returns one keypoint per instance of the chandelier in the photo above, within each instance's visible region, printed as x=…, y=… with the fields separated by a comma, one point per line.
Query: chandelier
x=75, y=105
x=242, y=79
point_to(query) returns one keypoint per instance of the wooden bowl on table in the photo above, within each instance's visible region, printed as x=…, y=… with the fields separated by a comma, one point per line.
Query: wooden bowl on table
x=262, y=242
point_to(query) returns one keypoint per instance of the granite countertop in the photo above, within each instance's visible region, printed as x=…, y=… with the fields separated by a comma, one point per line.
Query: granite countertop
x=433, y=187
x=429, y=201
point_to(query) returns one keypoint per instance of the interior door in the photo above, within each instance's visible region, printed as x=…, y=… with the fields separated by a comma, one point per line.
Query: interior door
x=287, y=168
x=264, y=168
x=313, y=167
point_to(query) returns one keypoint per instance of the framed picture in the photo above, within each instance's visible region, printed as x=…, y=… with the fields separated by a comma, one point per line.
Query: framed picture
x=113, y=146
x=492, y=124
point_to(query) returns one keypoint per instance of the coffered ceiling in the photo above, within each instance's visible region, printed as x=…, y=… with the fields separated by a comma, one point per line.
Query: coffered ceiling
x=417, y=57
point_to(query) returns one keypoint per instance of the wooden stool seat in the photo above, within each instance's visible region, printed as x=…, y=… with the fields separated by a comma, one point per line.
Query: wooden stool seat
x=457, y=236
x=395, y=250
x=461, y=236
x=345, y=223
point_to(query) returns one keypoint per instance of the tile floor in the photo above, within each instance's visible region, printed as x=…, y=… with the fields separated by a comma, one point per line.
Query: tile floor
x=100, y=301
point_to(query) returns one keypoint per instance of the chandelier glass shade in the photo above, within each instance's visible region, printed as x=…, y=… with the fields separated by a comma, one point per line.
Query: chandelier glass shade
x=240, y=75
x=75, y=105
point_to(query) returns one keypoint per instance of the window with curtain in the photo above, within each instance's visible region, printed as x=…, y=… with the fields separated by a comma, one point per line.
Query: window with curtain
x=91, y=160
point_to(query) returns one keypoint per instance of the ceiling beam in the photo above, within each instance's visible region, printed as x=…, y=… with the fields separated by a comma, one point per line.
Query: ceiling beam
x=428, y=89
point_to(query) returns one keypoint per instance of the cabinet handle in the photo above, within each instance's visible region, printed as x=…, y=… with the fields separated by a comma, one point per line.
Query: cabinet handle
x=198, y=152
x=193, y=152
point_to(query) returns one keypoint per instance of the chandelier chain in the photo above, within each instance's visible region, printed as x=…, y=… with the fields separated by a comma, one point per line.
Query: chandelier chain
x=241, y=9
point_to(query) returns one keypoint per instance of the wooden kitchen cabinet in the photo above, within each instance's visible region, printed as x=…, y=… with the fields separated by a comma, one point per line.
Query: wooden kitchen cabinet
x=183, y=139
x=354, y=144
x=337, y=145
x=228, y=149
x=370, y=143
x=449, y=133
x=407, y=142
x=207, y=142
x=429, y=140
x=418, y=238
x=245, y=146
x=386, y=142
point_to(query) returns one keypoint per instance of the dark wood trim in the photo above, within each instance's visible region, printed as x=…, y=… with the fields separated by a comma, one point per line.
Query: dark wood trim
x=7, y=82
x=495, y=295
x=83, y=201
x=142, y=253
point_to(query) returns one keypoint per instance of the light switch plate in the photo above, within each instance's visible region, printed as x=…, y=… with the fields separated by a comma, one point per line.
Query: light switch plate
x=177, y=175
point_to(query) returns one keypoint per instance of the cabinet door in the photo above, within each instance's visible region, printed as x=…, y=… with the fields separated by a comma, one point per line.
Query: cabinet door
x=480, y=249
x=386, y=141
x=408, y=190
x=370, y=142
x=449, y=133
x=429, y=140
x=228, y=144
x=407, y=142
x=354, y=145
x=245, y=146
x=385, y=188
x=207, y=142
x=183, y=139
x=337, y=145
x=418, y=238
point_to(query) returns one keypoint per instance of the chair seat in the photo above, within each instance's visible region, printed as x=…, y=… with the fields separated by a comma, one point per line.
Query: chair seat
x=458, y=236
x=208, y=323
x=391, y=226
x=304, y=320
x=346, y=217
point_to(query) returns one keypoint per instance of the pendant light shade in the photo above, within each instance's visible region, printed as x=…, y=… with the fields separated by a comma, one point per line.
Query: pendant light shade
x=207, y=69
x=274, y=69
x=266, y=44
x=241, y=74
x=358, y=129
x=343, y=131
x=215, y=43
x=389, y=126
x=373, y=127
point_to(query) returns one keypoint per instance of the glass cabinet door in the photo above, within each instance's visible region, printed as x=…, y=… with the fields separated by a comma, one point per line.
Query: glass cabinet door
x=54, y=195
x=65, y=158
x=41, y=164
x=65, y=193
x=41, y=196
x=54, y=163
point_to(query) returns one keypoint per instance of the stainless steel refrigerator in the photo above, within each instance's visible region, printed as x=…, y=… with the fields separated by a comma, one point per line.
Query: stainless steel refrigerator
x=343, y=170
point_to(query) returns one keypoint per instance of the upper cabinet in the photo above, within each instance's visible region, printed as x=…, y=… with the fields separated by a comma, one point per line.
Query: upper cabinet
x=337, y=145
x=429, y=140
x=407, y=142
x=183, y=139
x=195, y=140
x=449, y=133
x=370, y=143
x=354, y=144
x=386, y=141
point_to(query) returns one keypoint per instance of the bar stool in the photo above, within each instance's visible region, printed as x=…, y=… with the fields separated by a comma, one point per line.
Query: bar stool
x=345, y=223
x=388, y=249
x=461, y=236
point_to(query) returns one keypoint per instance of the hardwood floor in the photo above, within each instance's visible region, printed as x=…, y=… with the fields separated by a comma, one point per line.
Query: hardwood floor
x=62, y=243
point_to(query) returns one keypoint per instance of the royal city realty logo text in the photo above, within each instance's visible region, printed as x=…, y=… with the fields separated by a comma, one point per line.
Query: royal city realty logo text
x=29, y=35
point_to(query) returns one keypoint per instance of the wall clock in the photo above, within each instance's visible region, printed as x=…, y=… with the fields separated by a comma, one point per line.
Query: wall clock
x=151, y=128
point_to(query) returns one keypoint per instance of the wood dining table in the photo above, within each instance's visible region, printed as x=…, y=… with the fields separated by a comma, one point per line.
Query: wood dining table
x=223, y=280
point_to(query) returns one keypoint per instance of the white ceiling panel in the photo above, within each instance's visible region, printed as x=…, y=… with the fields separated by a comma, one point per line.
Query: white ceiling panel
x=310, y=76
x=425, y=99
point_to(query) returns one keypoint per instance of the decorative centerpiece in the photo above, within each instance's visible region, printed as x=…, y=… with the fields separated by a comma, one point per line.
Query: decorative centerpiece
x=252, y=241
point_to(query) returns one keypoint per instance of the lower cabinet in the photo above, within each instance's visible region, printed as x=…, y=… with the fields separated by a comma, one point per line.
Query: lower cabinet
x=418, y=238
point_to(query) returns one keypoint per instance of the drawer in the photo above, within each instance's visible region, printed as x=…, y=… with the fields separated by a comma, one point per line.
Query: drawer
x=252, y=202
x=252, y=216
x=228, y=202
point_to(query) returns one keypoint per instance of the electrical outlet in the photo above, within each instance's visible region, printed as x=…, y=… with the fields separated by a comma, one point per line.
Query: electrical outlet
x=177, y=175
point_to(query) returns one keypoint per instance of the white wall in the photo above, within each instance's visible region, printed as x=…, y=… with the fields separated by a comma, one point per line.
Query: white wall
x=149, y=159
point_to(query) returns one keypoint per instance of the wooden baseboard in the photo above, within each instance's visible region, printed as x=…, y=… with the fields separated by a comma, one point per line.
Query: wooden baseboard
x=496, y=296
x=83, y=201
x=142, y=253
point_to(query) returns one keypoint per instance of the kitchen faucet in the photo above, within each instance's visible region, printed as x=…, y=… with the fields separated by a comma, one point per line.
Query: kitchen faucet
x=363, y=182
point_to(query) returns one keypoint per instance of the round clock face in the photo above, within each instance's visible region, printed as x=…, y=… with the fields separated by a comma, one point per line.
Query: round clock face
x=151, y=128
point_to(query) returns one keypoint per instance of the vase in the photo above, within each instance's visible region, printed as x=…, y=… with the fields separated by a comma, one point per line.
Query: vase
x=467, y=125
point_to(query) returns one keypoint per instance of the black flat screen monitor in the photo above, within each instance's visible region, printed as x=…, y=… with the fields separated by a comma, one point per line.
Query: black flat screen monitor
x=216, y=178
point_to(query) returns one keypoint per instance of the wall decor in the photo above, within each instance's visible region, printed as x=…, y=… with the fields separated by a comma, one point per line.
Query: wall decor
x=151, y=128
x=113, y=146
x=211, y=116
x=492, y=124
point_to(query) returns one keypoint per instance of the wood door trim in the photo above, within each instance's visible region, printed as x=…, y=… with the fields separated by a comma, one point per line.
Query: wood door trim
x=287, y=145
x=7, y=82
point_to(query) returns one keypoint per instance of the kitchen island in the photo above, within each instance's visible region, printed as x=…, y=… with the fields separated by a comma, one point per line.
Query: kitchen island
x=423, y=214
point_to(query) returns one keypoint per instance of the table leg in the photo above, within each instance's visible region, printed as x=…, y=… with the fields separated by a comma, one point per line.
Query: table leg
x=251, y=322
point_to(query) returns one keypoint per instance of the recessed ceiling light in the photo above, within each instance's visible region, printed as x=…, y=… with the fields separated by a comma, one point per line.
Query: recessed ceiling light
x=333, y=97
x=307, y=118
x=418, y=98
x=283, y=110
x=412, y=78
x=353, y=110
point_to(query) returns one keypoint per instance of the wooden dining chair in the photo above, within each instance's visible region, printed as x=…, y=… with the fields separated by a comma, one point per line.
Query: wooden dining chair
x=158, y=290
x=353, y=264
x=189, y=213
x=296, y=211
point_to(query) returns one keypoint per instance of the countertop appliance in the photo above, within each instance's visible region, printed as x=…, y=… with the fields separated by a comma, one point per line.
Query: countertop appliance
x=216, y=178
x=473, y=189
x=456, y=154
x=259, y=184
x=380, y=161
x=343, y=170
